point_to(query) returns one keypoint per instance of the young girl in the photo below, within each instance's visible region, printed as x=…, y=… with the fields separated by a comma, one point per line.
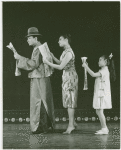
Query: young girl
x=102, y=91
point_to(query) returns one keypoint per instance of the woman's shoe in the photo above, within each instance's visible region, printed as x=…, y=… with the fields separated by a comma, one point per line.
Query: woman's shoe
x=69, y=131
x=75, y=124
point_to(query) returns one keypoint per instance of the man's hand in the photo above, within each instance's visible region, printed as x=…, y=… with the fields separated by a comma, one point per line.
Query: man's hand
x=16, y=56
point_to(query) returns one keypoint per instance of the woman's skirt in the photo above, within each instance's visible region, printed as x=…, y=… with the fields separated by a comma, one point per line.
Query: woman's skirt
x=69, y=88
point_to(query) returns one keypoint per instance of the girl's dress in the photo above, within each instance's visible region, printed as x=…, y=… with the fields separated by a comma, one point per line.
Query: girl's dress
x=102, y=91
x=69, y=82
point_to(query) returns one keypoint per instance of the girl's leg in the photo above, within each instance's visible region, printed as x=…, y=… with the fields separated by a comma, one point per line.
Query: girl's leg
x=102, y=118
x=97, y=112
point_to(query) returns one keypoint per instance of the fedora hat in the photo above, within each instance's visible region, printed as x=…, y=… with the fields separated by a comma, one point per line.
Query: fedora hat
x=33, y=31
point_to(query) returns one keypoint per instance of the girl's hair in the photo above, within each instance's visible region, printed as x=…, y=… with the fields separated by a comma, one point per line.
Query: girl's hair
x=111, y=66
x=67, y=36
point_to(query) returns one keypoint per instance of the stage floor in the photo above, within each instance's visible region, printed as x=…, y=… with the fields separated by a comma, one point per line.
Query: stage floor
x=19, y=136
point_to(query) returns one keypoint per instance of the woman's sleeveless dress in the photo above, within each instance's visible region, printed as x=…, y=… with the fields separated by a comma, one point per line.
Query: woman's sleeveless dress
x=69, y=82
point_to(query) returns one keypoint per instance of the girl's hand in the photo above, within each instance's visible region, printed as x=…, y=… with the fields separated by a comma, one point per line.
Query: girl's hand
x=84, y=64
x=45, y=61
x=16, y=56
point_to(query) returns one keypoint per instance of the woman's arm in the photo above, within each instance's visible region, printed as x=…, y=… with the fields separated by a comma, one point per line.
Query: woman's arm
x=64, y=62
x=55, y=59
x=97, y=74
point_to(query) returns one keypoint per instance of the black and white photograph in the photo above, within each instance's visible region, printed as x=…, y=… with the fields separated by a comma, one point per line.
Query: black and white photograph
x=61, y=74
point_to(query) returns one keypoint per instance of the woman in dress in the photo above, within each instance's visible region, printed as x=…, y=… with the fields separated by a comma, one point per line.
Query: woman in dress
x=69, y=79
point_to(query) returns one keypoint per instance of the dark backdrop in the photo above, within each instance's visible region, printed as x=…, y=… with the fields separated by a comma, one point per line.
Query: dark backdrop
x=95, y=30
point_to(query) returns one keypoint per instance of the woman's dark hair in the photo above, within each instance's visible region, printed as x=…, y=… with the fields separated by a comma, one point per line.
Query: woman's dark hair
x=111, y=66
x=39, y=38
x=67, y=36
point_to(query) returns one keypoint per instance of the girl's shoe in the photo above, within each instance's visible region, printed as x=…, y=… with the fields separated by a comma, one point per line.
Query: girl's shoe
x=103, y=131
x=99, y=130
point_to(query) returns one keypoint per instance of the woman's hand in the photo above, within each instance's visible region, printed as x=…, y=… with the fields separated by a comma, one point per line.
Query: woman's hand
x=16, y=56
x=45, y=61
x=52, y=55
